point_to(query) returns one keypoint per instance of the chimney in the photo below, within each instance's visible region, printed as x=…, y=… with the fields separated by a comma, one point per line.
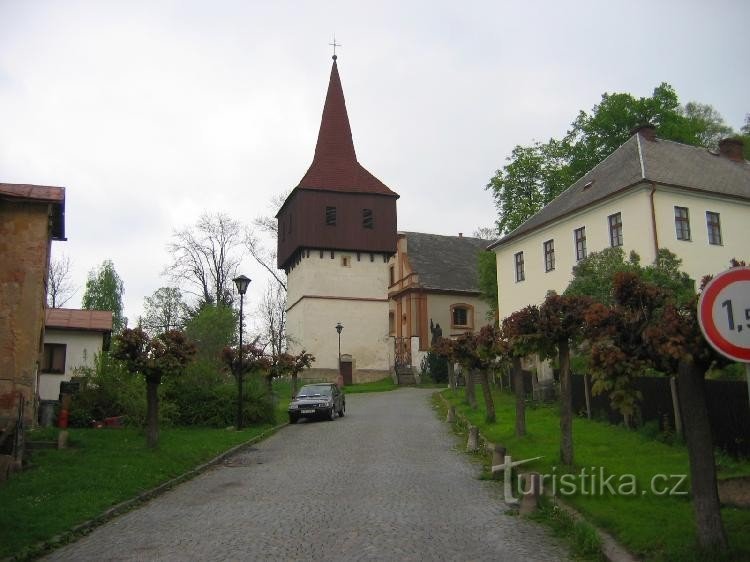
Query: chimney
x=646, y=130
x=460, y=234
x=732, y=148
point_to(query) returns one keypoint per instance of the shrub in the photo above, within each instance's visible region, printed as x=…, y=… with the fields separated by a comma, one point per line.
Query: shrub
x=107, y=390
x=435, y=367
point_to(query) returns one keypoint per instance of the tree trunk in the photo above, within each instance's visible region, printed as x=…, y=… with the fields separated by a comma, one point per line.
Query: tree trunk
x=697, y=429
x=294, y=384
x=471, y=396
x=152, y=414
x=451, y=375
x=489, y=404
x=520, y=397
x=566, y=404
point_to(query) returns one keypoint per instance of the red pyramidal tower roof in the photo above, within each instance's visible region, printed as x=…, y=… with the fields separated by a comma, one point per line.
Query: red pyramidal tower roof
x=335, y=166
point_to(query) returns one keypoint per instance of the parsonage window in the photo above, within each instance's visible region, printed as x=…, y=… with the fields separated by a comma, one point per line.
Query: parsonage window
x=331, y=216
x=460, y=315
x=579, y=235
x=367, y=219
x=549, y=255
x=54, y=358
x=682, y=223
x=714, y=228
x=520, y=276
x=615, y=230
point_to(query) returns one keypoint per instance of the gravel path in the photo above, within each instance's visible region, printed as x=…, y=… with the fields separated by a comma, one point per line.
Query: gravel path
x=383, y=483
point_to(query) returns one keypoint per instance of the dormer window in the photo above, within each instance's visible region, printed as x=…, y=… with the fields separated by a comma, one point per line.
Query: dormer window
x=367, y=219
x=331, y=216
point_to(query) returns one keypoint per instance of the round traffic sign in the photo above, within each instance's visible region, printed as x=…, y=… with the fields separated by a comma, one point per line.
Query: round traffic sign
x=724, y=313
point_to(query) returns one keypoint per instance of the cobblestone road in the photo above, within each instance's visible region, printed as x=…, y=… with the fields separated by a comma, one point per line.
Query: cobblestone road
x=383, y=483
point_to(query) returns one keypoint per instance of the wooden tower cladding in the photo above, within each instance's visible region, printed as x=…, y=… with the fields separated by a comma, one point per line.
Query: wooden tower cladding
x=338, y=204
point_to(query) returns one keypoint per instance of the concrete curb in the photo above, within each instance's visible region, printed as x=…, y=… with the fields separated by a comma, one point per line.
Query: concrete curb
x=611, y=549
x=60, y=540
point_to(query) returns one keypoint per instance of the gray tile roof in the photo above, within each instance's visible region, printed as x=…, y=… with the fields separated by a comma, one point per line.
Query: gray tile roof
x=446, y=263
x=640, y=160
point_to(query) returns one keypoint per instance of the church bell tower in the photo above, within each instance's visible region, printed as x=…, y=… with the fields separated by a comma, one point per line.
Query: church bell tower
x=336, y=231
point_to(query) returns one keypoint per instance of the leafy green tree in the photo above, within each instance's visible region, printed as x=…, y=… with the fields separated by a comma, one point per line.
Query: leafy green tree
x=164, y=311
x=487, y=268
x=594, y=275
x=212, y=329
x=536, y=174
x=153, y=358
x=104, y=290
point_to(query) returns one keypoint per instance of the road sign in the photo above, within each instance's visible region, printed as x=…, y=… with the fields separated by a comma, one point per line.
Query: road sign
x=724, y=313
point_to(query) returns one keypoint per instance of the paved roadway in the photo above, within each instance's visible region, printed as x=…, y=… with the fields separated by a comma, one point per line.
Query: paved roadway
x=386, y=482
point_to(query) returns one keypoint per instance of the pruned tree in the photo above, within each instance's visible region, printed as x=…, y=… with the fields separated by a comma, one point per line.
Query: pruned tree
x=205, y=257
x=647, y=327
x=164, y=311
x=153, y=358
x=445, y=349
x=520, y=338
x=463, y=350
x=293, y=365
x=561, y=327
x=60, y=288
x=104, y=290
x=487, y=352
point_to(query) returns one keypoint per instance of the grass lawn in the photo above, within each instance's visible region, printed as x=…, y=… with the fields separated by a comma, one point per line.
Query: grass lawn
x=102, y=468
x=382, y=385
x=656, y=527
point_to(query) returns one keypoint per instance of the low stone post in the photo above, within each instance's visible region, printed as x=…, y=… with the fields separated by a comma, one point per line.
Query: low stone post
x=532, y=490
x=451, y=417
x=472, y=445
x=498, y=458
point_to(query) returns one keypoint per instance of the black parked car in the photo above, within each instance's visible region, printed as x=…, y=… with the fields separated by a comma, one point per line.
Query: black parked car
x=317, y=401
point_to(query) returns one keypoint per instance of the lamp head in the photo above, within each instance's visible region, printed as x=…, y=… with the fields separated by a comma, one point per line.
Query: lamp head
x=339, y=327
x=242, y=283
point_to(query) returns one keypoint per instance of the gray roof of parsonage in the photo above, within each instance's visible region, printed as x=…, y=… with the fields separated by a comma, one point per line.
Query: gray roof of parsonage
x=638, y=160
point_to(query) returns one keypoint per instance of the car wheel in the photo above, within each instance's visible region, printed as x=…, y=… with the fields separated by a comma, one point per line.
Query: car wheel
x=332, y=413
x=342, y=410
x=293, y=419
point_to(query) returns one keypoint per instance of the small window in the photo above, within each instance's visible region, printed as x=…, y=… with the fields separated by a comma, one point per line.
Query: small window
x=549, y=255
x=391, y=323
x=54, y=358
x=460, y=316
x=331, y=216
x=392, y=271
x=580, y=241
x=520, y=275
x=615, y=230
x=713, y=223
x=682, y=223
x=367, y=219
x=346, y=261
x=333, y=254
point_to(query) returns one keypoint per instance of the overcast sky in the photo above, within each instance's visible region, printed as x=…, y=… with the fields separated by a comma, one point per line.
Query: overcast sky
x=150, y=113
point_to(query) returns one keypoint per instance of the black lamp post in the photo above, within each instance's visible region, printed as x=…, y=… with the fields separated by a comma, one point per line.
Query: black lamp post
x=339, y=327
x=242, y=283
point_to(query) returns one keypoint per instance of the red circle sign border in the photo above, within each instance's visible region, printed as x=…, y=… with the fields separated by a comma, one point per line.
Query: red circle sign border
x=705, y=315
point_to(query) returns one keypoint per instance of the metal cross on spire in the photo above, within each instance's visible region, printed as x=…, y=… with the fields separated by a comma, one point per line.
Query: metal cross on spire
x=334, y=45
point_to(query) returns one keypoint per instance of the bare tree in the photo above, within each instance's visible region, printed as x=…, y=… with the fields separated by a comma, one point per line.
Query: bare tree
x=267, y=224
x=272, y=311
x=205, y=258
x=60, y=289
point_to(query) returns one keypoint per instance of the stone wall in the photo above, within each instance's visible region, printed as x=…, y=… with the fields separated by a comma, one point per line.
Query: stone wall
x=24, y=259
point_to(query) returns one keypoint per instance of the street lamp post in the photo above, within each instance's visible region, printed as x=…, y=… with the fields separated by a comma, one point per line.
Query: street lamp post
x=339, y=327
x=242, y=283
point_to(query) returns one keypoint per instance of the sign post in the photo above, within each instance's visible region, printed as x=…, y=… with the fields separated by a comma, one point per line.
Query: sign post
x=724, y=315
